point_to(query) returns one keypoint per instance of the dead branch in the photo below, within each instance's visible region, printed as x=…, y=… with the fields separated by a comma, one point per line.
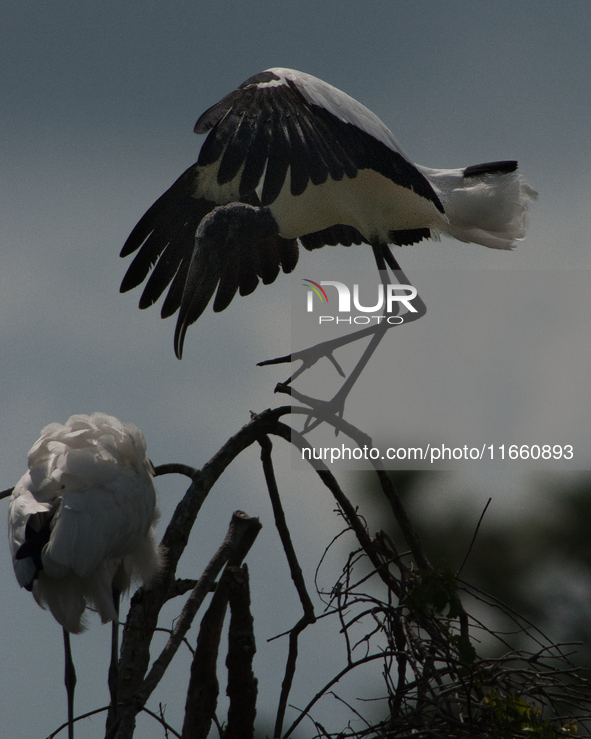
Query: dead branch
x=242, y=684
x=240, y=537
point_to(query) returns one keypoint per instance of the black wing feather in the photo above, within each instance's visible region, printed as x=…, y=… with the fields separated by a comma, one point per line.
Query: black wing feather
x=164, y=236
x=172, y=301
x=256, y=159
x=300, y=164
x=315, y=151
x=213, y=115
x=340, y=234
x=277, y=163
x=37, y=535
x=228, y=286
x=235, y=151
x=476, y=170
x=409, y=236
x=164, y=270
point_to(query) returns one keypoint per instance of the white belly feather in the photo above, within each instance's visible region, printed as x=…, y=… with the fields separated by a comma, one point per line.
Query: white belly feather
x=369, y=202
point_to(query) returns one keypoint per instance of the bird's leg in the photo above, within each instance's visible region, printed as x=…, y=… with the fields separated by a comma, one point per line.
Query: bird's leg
x=308, y=357
x=70, y=681
x=114, y=666
x=382, y=255
x=384, y=259
x=337, y=404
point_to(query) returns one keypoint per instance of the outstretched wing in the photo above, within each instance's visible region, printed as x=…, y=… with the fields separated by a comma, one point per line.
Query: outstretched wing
x=280, y=129
x=165, y=236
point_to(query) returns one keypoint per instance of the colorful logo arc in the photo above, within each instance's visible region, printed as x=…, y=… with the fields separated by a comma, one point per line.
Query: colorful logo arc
x=317, y=289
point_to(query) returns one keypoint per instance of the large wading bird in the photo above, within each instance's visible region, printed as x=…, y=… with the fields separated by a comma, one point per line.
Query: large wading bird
x=290, y=158
x=81, y=526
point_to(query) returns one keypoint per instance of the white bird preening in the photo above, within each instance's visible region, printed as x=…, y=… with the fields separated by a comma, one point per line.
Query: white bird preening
x=81, y=525
x=288, y=157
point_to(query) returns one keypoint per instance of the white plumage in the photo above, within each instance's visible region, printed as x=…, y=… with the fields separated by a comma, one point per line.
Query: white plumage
x=488, y=208
x=290, y=160
x=81, y=520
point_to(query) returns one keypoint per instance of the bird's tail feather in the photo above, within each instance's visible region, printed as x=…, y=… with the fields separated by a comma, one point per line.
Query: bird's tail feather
x=485, y=204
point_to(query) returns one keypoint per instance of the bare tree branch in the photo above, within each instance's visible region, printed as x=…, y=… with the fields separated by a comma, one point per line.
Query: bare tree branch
x=146, y=604
x=242, y=684
x=297, y=577
x=241, y=534
x=203, y=690
x=294, y=437
x=435, y=682
x=281, y=523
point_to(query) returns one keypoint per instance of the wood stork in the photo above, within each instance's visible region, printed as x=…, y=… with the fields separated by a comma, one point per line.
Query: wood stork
x=289, y=157
x=81, y=525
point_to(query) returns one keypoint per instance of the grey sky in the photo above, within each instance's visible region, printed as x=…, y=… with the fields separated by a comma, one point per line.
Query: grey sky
x=99, y=101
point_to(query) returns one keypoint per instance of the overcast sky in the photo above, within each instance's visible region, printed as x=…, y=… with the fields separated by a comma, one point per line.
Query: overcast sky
x=99, y=102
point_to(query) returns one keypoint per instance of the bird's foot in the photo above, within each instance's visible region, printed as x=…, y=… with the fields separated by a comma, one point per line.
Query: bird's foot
x=320, y=410
x=308, y=358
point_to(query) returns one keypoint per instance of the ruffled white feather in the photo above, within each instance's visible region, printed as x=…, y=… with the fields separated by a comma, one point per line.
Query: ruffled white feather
x=489, y=209
x=92, y=480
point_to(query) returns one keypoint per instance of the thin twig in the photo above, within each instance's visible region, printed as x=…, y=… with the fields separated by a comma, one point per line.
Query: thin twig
x=334, y=681
x=160, y=719
x=174, y=468
x=473, y=537
x=77, y=718
x=280, y=521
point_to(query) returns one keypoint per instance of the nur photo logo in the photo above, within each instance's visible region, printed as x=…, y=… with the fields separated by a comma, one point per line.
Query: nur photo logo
x=383, y=302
